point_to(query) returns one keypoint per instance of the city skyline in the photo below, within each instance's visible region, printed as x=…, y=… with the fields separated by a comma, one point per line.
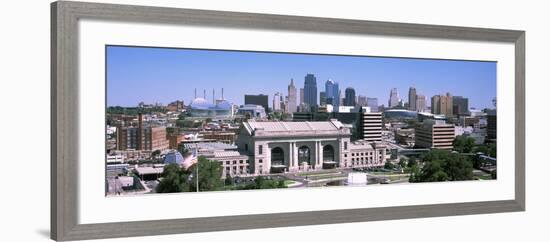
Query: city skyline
x=131, y=72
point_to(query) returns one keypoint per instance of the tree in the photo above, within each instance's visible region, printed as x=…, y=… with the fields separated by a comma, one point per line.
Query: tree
x=464, y=144
x=432, y=171
x=412, y=163
x=177, y=179
x=492, y=149
x=389, y=165
x=229, y=181
x=285, y=116
x=415, y=174
x=261, y=182
x=174, y=179
x=281, y=184
x=441, y=165
x=209, y=175
x=487, y=149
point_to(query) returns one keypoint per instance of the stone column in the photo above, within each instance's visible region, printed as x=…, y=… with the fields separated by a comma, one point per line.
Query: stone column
x=290, y=156
x=316, y=155
x=295, y=156
x=320, y=155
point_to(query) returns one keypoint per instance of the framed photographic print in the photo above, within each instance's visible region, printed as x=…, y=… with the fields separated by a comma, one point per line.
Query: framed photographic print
x=243, y=120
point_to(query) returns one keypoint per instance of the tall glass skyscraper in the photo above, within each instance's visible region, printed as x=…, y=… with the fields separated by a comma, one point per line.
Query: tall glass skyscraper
x=310, y=90
x=350, y=97
x=333, y=92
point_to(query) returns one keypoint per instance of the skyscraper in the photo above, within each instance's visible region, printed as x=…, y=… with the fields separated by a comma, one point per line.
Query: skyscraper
x=322, y=99
x=301, y=96
x=310, y=90
x=277, y=99
x=460, y=105
x=291, y=106
x=436, y=109
x=420, y=103
x=370, y=126
x=332, y=92
x=372, y=102
x=434, y=134
x=394, y=98
x=442, y=104
x=350, y=97
x=412, y=99
x=361, y=100
x=260, y=99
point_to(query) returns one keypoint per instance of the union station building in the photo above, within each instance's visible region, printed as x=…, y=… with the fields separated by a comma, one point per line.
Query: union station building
x=277, y=147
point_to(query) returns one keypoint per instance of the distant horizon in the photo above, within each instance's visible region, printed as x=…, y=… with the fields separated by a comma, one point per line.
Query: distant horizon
x=163, y=75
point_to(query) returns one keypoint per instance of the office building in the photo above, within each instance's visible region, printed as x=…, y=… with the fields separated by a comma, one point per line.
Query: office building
x=127, y=138
x=332, y=92
x=349, y=100
x=420, y=103
x=460, y=106
x=361, y=100
x=252, y=111
x=277, y=102
x=372, y=103
x=291, y=104
x=175, y=106
x=302, y=100
x=322, y=99
x=394, y=98
x=310, y=90
x=145, y=138
x=154, y=138
x=412, y=99
x=233, y=162
x=442, y=104
x=174, y=140
x=371, y=126
x=435, y=134
x=366, y=154
x=260, y=99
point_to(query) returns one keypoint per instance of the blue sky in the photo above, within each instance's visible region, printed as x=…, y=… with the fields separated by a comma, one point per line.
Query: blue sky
x=136, y=74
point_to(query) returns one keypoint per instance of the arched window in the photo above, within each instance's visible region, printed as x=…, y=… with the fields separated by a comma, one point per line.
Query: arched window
x=328, y=153
x=304, y=155
x=277, y=156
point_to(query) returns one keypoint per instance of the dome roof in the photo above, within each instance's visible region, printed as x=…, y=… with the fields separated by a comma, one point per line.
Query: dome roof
x=174, y=157
x=200, y=103
x=199, y=100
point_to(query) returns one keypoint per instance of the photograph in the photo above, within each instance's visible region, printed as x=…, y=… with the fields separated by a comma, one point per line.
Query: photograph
x=205, y=120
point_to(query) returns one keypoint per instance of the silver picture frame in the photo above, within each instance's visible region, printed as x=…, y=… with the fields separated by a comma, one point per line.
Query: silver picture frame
x=65, y=112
